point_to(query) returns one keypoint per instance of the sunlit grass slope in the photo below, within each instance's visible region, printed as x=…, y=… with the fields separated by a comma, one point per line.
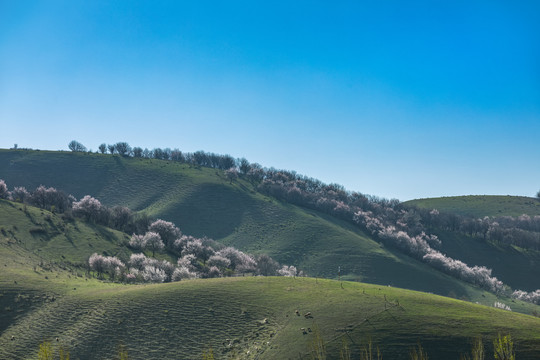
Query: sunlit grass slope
x=248, y=318
x=54, y=239
x=203, y=203
x=481, y=205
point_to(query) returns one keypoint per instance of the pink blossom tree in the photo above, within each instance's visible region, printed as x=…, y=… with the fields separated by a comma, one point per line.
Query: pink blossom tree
x=20, y=194
x=231, y=174
x=4, y=194
x=88, y=207
x=152, y=241
x=166, y=230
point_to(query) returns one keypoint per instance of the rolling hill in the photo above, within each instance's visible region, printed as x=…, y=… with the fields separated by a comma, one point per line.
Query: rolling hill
x=481, y=205
x=47, y=295
x=237, y=318
x=203, y=203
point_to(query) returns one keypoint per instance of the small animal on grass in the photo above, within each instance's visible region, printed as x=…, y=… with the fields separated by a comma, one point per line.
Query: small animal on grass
x=308, y=315
x=297, y=312
x=304, y=332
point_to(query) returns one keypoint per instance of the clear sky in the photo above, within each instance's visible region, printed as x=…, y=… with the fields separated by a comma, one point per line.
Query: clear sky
x=400, y=99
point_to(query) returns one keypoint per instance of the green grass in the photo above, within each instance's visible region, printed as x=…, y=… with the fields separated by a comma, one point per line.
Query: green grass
x=181, y=320
x=54, y=239
x=481, y=205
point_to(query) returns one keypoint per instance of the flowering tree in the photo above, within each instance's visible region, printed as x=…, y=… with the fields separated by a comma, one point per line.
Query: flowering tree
x=152, y=241
x=219, y=261
x=88, y=207
x=153, y=274
x=4, y=194
x=97, y=263
x=166, y=230
x=182, y=272
x=136, y=242
x=137, y=261
x=240, y=261
x=197, y=249
x=231, y=174
x=213, y=272
x=106, y=264
x=289, y=271
x=20, y=194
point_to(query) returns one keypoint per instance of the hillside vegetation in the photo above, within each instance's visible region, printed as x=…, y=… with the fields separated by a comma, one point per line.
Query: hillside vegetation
x=48, y=294
x=202, y=202
x=481, y=205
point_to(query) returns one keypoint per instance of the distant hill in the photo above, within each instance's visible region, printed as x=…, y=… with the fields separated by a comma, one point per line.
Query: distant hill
x=481, y=205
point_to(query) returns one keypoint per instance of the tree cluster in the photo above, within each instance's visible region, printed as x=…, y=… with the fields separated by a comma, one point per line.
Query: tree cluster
x=90, y=209
x=202, y=258
x=196, y=258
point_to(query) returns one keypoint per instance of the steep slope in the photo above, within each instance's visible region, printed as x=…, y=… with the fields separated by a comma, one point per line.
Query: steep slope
x=481, y=205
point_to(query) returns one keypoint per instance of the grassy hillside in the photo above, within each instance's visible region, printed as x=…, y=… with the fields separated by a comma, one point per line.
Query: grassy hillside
x=55, y=239
x=481, y=205
x=245, y=318
x=202, y=202
x=45, y=296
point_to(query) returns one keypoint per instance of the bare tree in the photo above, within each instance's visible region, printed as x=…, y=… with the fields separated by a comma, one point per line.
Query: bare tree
x=123, y=148
x=244, y=166
x=76, y=146
x=103, y=148
x=137, y=152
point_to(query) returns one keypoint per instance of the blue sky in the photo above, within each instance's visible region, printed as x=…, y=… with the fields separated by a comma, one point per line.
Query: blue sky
x=401, y=99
